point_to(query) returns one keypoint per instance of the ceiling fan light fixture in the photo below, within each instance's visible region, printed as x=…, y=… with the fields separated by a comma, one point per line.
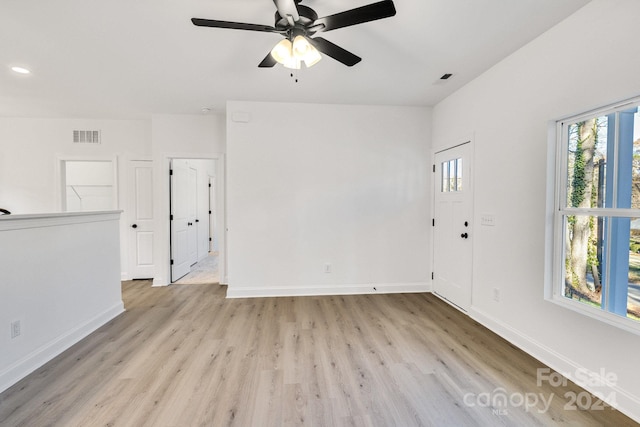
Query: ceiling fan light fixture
x=312, y=57
x=282, y=51
x=301, y=47
x=291, y=55
x=305, y=51
x=292, y=63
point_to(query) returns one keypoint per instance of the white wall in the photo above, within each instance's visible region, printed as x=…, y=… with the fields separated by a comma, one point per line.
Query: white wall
x=60, y=278
x=315, y=184
x=185, y=137
x=29, y=166
x=29, y=149
x=589, y=60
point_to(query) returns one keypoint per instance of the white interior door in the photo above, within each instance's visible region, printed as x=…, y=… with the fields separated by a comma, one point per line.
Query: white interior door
x=212, y=215
x=141, y=259
x=180, y=262
x=192, y=224
x=453, y=231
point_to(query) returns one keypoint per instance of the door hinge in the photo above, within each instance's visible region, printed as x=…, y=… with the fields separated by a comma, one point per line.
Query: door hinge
x=433, y=222
x=434, y=168
x=209, y=238
x=209, y=185
x=171, y=262
x=431, y=275
x=170, y=217
x=209, y=212
x=170, y=171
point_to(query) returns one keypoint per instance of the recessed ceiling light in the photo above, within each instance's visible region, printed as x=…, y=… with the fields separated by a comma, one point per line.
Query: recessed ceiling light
x=20, y=70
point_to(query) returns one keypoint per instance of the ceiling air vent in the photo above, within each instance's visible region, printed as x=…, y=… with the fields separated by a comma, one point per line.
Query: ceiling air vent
x=86, y=137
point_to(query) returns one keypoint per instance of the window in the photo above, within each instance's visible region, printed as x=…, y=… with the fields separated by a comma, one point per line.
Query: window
x=597, y=214
x=451, y=179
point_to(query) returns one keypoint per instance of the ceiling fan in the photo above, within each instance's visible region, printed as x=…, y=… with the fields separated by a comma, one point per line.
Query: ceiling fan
x=298, y=23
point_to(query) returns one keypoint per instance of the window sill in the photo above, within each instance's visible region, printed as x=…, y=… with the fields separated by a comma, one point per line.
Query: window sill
x=620, y=322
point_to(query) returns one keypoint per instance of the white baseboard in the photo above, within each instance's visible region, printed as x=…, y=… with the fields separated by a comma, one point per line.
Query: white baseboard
x=290, y=291
x=625, y=402
x=159, y=282
x=32, y=361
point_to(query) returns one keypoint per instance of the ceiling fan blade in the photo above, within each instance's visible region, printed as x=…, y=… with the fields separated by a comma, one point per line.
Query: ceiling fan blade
x=233, y=25
x=268, y=61
x=359, y=15
x=335, y=51
x=287, y=8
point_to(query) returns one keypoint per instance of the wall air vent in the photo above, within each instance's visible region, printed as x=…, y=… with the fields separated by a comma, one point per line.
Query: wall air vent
x=86, y=137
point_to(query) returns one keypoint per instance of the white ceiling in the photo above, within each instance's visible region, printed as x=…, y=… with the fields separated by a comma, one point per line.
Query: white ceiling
x=134, y=58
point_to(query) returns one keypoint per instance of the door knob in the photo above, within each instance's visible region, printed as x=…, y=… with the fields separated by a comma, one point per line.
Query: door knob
x=464, y=235
x=134, y=226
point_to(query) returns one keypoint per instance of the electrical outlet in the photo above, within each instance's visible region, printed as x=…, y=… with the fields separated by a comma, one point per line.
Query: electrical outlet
x=327, y=268
x=496, y=294
x=15, y=329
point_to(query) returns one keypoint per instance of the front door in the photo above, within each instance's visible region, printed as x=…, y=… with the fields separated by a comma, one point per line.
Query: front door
x=453, y=230
x=141, y=260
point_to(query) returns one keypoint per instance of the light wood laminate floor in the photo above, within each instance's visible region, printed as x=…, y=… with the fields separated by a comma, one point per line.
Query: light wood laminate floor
x=186, y=356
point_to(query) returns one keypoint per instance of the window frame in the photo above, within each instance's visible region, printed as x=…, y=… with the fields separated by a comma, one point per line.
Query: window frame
x=557, y=210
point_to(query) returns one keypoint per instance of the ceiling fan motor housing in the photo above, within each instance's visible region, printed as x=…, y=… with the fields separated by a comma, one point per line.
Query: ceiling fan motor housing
x=307, y=17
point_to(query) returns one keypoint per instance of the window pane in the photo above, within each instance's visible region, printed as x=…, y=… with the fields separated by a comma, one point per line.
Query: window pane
x=459, y=174
x=584, y=256
x=445, y=177
x=588, y=150
x=452, y=175
x=635, y=170
x=602, y=263
x=632, y=293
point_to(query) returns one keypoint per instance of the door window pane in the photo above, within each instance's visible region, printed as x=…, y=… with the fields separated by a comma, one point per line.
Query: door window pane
x=451, y=175
x=444, y=167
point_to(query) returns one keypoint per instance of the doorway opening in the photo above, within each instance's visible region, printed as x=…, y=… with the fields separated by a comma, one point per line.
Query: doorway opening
x=88, y=185
x=193, y=237
x=453, y=225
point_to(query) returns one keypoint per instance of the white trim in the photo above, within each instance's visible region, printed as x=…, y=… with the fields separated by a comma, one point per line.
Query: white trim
x=34, y=360
x=60, y=176
x=163, y=256
x=609, y=108
x=347, y=289
x=159, y=283
x=557, y=210
x=21, y=222
x=601, y=315
x=467, y=139
x=625, y=402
